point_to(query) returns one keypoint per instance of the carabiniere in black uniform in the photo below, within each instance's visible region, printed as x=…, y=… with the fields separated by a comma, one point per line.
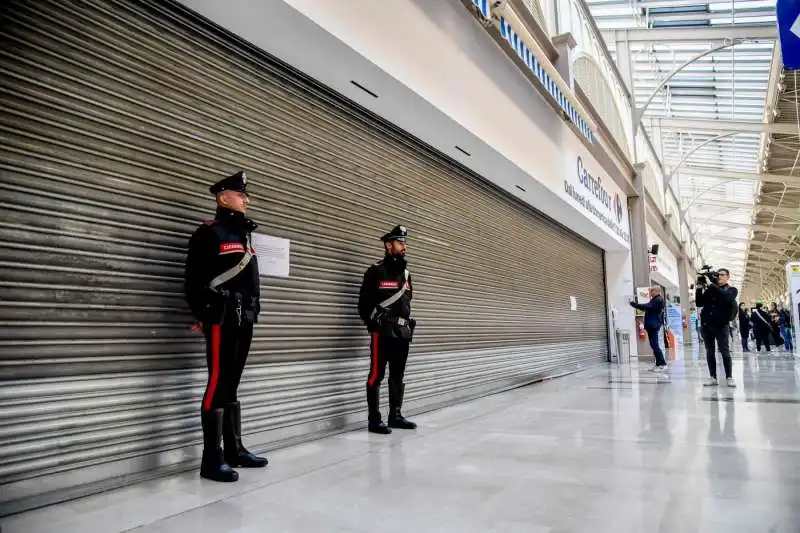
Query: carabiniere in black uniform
x=222, y=289
x=384, y=305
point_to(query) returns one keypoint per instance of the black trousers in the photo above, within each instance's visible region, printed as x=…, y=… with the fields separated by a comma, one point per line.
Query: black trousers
x=227, y=346
x=762, y=338
x=745, y=334
x=385, y=350
x=652, y=335
x=719, y=336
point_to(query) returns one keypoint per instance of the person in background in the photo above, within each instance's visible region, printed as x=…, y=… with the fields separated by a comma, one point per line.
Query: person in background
x=775, y=319
x=762, y=327
x=785, y=319
x=744, y=326
x=653, y=320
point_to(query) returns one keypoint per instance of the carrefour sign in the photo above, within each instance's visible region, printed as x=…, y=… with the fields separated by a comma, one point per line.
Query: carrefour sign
x=593, y=196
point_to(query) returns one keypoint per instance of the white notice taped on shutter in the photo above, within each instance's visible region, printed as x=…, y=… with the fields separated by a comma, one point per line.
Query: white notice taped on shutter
x=573, y=303
x=273, y=255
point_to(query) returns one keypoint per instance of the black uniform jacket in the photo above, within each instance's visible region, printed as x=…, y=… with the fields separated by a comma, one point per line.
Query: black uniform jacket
x=380, y=282
x=215, y=247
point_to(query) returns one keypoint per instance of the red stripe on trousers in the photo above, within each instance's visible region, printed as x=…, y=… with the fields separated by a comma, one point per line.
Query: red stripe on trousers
x=214, y=376
x=373, y=375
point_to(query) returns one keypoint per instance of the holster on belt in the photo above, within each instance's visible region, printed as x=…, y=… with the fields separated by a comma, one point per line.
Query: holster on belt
x=229, y=308
x=395, y=327
x=245, y=309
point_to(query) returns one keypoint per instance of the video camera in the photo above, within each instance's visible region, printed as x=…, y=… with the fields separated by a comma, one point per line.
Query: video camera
x=707, y=273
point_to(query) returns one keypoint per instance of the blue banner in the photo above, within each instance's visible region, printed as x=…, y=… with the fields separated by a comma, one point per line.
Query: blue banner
x=675, y=321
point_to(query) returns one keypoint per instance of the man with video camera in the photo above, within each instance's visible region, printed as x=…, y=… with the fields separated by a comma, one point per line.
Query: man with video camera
x=718, y=300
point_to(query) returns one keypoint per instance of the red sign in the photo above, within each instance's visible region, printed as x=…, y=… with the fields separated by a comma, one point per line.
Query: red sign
x=231, y=247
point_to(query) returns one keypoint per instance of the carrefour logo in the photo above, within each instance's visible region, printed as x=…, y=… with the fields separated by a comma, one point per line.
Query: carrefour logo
x=618, y=207
x=612, y=211
x=593, y=184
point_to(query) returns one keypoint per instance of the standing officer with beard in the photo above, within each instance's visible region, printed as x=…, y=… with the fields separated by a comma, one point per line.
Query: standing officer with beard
x=222, y=289
x=384, y=305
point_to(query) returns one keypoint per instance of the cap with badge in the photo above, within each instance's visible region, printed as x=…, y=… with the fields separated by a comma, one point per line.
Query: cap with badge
x=398, y=233
x=235, y=182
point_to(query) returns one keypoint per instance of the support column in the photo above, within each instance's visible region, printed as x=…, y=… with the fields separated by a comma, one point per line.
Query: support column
x=553, y=25
x=625, y=66
x=683, y=287
x=639, y=253
x=564, y=44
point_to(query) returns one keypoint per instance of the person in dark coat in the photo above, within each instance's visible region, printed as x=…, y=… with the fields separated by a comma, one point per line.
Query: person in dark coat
x=384, y=305
x=653, y=321
x=774, y=315
x=222, y=289
x=744, y=326
x=718, y=300
x=762, y=326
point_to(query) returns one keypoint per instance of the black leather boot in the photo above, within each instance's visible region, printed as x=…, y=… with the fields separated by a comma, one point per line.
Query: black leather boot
x=396, y=419
x=376, y=425
x=235, y=452
x=213, y=466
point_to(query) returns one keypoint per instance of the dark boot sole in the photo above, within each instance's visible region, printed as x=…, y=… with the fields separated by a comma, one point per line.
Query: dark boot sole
x=380, y=431
x=403, y=423
x=402, y=426
x=236, y=464
x=226, y=479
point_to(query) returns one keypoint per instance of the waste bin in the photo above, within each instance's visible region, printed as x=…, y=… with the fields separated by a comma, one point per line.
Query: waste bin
x=623, y=347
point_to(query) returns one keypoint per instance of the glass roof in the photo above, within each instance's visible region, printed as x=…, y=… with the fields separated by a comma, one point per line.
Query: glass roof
x=727, y=84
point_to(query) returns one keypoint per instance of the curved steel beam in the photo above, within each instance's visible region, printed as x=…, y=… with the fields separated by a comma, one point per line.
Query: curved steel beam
x=688, y=154
x=701, y=193
x=638, y=113
x=701, y=250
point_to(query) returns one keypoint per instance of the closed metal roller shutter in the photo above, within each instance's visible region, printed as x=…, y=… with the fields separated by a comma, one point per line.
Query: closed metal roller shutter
x=116, y=118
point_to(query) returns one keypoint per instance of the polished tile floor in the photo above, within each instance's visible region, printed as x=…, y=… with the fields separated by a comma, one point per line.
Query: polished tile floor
x=614, y=449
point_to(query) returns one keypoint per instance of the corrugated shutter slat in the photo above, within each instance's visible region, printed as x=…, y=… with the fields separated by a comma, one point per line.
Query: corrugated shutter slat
x=116, y=118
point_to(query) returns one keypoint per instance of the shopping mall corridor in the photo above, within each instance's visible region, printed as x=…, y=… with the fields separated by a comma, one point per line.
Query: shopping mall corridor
x=613, y=449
